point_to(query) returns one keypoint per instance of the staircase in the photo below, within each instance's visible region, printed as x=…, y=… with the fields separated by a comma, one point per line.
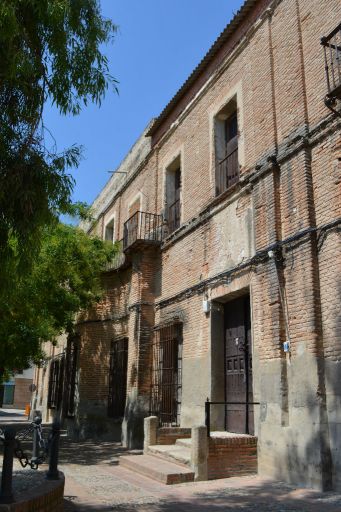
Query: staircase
x=167, y=463
x=228, y=455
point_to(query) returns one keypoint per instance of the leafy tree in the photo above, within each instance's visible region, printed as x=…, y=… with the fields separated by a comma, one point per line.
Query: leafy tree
x=65, y=278
x=50, y=50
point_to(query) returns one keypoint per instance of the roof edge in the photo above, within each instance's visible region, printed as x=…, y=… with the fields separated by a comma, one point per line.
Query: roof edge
x=230, y=29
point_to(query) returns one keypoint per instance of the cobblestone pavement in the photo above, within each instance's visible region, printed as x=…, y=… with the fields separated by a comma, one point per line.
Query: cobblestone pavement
x=95, y=482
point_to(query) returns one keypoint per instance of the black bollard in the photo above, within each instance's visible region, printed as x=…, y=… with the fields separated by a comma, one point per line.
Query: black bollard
x=35, y=447
x=53, y=473
x=6, y=493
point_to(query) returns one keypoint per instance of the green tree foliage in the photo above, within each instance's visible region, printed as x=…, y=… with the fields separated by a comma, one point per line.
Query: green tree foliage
x=50, y=50
x=64, y=278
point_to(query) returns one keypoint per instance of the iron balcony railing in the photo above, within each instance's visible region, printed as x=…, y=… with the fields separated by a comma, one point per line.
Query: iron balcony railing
x=227, y=172
x=173, y=221
x=332, y=56
x=119, y=260
x=142, y=227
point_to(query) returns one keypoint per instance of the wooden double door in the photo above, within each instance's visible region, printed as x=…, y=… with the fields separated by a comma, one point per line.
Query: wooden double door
x=238, y=367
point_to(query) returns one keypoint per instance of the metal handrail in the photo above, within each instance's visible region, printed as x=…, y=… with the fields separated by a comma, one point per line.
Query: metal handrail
x=142, y=226
x=332, y=57
x=208, y=404
x=332, y=34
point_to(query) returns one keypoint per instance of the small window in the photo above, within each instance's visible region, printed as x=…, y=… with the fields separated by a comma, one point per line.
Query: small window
x=110, y=231
x=226, y=147
x=173, y=195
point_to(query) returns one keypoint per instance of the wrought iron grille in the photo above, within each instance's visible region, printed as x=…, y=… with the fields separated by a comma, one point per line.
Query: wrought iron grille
x=166, y=387
x=142, y=226
x=228, y=172
x=332, y=56
x=72, y=363
x=118, y=378
x=55, y=392
x=174, y=216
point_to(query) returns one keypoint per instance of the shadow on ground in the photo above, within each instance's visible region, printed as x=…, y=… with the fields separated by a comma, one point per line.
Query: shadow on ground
x=263, y=497
x=91, y=452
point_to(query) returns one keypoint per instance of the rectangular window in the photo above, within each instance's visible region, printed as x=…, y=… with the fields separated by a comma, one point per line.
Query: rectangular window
x=110, y=231
x=173, y=195
x=165, y=400
x=118, y=378
x=226, y=147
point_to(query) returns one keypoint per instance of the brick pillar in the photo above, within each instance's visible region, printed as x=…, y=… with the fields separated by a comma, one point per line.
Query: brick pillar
x=145, y=262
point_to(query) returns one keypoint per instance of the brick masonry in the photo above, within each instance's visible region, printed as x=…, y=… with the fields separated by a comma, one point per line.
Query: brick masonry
x=45, y=498
x=169, y=435
x=235, y=456
x=287, y=199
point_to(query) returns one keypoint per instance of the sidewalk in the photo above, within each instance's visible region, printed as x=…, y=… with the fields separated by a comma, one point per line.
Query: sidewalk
x=96, y=483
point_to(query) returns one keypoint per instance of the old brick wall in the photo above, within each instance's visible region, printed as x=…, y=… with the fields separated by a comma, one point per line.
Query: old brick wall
x=289, y=191
x=228, y=457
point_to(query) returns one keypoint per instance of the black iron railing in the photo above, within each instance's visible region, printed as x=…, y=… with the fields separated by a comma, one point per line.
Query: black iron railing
x=142, y=226
x=208, y=413
x=173, y=220
x=332, y=56
x=227, y=172
x=45, y=447
x=56, y=381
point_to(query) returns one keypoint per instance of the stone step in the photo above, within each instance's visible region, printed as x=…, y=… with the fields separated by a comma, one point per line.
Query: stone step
x=172, y=452
x=184, y=442
x=158, y=469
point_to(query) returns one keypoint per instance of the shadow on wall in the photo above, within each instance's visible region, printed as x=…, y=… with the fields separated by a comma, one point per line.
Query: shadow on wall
x=317, y=452
x=102, y=324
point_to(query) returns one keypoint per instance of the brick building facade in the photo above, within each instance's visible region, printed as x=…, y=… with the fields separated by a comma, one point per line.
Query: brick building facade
x=228, y=283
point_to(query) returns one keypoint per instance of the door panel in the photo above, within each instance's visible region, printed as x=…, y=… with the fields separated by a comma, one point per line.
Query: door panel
x=238, y=366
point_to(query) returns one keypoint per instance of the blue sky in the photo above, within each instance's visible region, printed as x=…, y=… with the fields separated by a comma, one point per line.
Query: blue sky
x=158, y=44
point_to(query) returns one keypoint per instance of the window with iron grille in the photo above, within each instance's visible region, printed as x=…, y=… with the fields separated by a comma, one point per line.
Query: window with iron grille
x=226, y=147
x=71, y=382
x=118, y=378
x=173, y=195
x=166, y=387
x=56, y=378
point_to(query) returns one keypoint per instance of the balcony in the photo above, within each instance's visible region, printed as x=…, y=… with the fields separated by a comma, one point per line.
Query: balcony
x=119, y=261
x=227, y=172
x=332, y=56
x=142, y=229
x=173, y=220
